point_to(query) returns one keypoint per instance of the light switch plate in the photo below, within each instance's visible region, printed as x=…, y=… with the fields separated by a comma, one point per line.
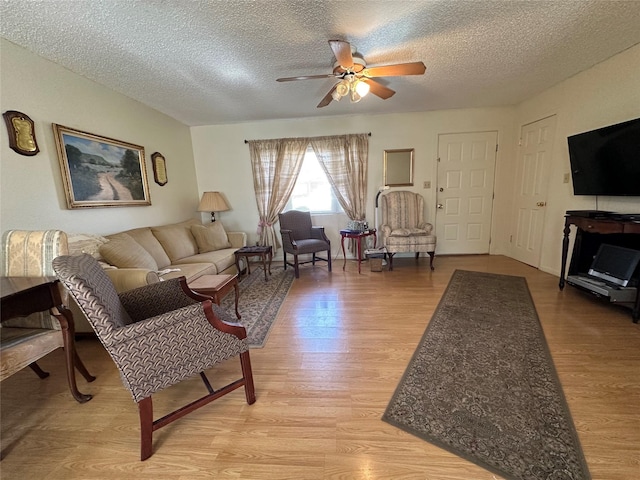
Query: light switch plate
x=566, y=178
x=426, y=184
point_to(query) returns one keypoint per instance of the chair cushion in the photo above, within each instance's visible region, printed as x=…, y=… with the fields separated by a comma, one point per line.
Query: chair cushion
x=124, y=252
x=211, y=237
x=407, y=232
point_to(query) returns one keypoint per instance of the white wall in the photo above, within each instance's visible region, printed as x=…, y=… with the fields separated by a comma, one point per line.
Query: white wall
x=32, y=195
x=223, y=162
x=605, y=94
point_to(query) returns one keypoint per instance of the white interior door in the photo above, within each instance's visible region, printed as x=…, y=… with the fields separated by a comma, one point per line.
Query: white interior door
x=466, y=167
x=532, y=179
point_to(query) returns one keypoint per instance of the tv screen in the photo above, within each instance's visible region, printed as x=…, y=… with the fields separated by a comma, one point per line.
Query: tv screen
x=606, y=161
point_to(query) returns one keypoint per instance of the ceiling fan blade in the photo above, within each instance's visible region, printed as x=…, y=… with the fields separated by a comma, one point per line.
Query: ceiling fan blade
x=378, y=89
x=327, y=98
x=414, y=68
x=342, y=52
x=305, y=77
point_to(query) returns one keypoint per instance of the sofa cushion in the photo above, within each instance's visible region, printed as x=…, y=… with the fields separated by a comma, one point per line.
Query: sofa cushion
x=124, y=252
x=190, y=270
x=210, y=237
x=150, y=243
x=222, y=259
x=177, y=240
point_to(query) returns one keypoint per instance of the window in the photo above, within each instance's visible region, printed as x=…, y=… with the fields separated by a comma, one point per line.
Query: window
x=313, y=191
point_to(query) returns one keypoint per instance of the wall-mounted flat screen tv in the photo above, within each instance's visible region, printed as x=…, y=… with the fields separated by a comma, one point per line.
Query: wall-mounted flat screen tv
x=606, y=161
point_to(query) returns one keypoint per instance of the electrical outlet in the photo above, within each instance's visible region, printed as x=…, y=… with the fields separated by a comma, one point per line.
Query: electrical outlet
x=566, y=178
x=426, y=184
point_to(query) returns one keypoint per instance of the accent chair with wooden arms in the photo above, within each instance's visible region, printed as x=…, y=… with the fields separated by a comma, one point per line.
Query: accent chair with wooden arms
x=300, y=237
x=26, y=339
x=403, y=226
x=158, y=335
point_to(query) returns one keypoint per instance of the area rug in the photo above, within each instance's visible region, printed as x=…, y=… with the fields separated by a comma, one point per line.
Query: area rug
x=482, y=384
x=260, y=302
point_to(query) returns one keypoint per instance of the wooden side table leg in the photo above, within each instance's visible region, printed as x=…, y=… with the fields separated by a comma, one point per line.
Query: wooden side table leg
x=264, y=265
x=359, y=252
x=270, y=258
x=343, y=254
x=237, y=294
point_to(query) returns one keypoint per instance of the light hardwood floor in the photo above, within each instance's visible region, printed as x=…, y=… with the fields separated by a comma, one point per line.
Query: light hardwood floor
x=323, y=380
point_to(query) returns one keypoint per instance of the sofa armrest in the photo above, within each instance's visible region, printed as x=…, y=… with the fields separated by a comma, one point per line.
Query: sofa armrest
x=125, y=279
x=237, y=239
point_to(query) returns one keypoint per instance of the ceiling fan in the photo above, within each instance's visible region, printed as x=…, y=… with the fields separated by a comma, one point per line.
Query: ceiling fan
x=356, y=80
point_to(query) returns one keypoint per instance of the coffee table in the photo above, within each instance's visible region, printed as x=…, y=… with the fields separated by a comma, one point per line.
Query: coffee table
x=256, y=251
x=217, y=286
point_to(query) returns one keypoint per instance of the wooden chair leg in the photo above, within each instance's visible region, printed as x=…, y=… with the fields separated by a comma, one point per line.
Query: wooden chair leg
x=36, y=368
x=390, y=255
x=145, y=407
x=82, y=369
x=284, y=257
x=431, y=256
x=249, y=390
x=296, y=268
x=329, y=258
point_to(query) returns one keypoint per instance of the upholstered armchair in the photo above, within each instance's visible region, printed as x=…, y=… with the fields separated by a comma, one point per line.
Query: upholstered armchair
x=403, y=226
x=157, y=335
x=299, y=237
x=26, y=339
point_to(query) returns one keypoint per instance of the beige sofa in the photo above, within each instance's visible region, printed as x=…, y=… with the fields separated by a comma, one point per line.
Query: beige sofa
x=140, y=256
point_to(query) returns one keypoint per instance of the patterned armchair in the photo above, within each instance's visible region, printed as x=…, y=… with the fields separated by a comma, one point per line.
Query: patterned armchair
x=299, y=237
x=403, y=226
x=25, y=340
x=157, y=335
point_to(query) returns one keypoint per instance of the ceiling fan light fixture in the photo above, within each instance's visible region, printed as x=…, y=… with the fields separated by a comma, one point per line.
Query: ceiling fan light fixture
x=362, y=88
x=355, y=97
x=342, y=88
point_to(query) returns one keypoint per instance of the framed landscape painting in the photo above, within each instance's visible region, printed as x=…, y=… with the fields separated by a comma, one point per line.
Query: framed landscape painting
x=99, y=171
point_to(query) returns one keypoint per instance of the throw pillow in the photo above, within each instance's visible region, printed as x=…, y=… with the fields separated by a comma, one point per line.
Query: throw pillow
x=210, y=237
x=124, y=252
x=80, y=243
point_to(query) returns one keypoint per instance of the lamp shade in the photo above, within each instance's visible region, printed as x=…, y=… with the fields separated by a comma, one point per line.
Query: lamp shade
x=212, y=202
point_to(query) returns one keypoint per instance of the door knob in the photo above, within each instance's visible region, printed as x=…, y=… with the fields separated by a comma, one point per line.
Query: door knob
x=541, y=204
x=439, y=205
x=441, y=189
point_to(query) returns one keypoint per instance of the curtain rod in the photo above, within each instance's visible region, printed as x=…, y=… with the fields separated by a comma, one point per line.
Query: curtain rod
x=247, y=141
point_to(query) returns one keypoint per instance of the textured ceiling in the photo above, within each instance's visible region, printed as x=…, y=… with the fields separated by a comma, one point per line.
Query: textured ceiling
x=216, y=62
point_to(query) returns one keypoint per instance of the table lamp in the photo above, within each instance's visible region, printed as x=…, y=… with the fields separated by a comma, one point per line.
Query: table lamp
x=213, y=202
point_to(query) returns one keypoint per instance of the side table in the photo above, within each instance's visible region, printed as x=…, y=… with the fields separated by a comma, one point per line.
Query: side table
x=217, y=286
x=358, y=236
x=256, y=251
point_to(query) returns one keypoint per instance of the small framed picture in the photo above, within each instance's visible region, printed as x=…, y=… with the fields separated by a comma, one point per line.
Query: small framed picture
x=22, y=136
x=159, y=168
x=100, y=171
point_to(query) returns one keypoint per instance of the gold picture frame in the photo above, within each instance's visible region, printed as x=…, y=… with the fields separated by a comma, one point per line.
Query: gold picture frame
x=99, y=171
x=159, y=168
x=398, y=167
x=22, y=136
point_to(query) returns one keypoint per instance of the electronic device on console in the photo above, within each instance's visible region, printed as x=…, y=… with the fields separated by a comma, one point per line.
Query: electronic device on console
x=611, y=274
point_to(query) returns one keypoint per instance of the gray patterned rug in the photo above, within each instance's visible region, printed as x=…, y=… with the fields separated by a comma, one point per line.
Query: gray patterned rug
x=482, y=384
x=260, y=302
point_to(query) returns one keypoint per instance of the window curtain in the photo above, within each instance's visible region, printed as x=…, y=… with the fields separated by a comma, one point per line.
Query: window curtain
x=276, y=164
x=344, y=159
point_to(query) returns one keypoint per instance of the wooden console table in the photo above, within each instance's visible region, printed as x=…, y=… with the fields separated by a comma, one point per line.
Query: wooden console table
x=590, y=233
